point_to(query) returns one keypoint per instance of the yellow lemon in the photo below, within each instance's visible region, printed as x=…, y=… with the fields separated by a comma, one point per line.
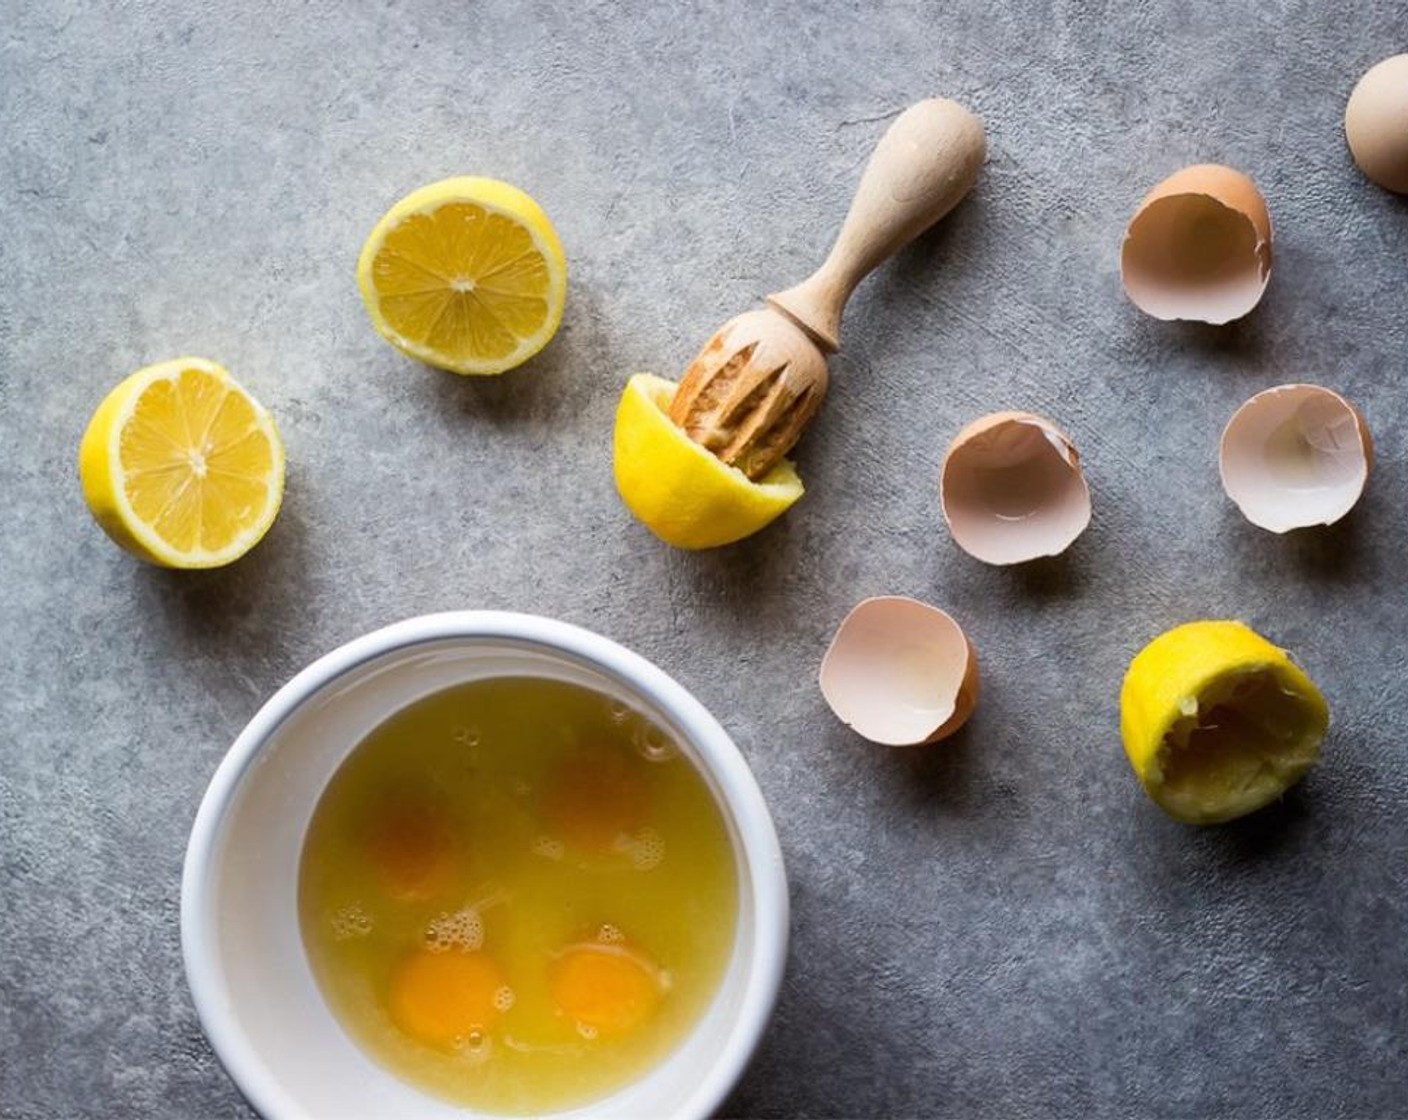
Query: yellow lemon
x=466, y=274
x=683, y=494
x=1218, y=722
x=181, y=466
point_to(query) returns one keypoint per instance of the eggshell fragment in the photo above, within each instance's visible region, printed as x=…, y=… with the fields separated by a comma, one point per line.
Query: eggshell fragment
x=900, y=672
x=1295, y=456
x=1198, y=247
x=1376, y=123
x=1012, y=489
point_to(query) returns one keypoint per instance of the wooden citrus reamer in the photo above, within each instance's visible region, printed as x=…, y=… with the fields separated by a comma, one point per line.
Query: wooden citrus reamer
x=757, y=382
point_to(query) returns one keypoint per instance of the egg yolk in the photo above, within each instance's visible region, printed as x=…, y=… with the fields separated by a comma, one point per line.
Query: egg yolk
x=594, y=798
x=609, y=988
x=411, y=846
x=442, y=998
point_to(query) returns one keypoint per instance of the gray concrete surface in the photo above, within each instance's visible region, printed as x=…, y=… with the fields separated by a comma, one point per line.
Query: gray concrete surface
x=1001, y=926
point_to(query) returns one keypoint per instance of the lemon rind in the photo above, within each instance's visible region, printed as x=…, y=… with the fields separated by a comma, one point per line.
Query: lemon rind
x=1146, y=720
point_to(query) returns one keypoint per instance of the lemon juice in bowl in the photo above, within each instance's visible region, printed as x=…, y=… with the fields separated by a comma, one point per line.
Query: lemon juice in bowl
x=517, y=894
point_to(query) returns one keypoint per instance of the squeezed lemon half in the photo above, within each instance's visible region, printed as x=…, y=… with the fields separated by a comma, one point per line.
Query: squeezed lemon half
x=181, y=466
x=684, y=494
x=465, y=274
x=1218, y=722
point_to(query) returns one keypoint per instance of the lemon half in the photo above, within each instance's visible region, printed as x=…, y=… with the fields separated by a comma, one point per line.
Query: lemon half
x=1218, y=722
x=683, y=494
x=181, y=466
x=465, y=274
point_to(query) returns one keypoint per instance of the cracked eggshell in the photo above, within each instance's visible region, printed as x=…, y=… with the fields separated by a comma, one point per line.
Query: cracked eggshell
x=1198, y=247
x=1376, y=124
x=1295, y=456
x=1012, y=489
x=900, y=672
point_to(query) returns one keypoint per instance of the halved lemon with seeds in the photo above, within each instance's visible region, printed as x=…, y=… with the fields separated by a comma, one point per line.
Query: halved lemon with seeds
x=465, y=274
x=181, y=466
x=1218, y=722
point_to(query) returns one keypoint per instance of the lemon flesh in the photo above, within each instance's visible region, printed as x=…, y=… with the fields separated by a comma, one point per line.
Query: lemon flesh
x=181, y=466
x=1218, y=722
x=679, y=490
x=465, y=274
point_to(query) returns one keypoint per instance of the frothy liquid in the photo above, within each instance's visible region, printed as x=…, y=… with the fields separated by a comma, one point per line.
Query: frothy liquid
x=518, y=894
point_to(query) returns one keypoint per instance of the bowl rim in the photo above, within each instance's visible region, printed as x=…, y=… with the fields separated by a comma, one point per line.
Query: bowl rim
x=757, y=841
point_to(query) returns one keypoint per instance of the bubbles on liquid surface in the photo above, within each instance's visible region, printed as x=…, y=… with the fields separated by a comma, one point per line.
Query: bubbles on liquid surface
x=475, y=1045
x=608, y=934
x=619, y=712
x=548, y=848
x=645, y=848
x=586, y=1030
x=504, y=998
x=466, y=735
x=648, y=852
x=350, y=922
x=461, y=929
x=652, y=745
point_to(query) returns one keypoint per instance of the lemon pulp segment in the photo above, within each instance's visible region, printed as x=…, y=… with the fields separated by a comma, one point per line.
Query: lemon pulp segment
x=466, y=274
x=679, y=490
x=1218, y=722
x=181, y=466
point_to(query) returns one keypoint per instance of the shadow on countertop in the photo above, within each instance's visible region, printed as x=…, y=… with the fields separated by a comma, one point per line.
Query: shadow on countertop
x=257, y=605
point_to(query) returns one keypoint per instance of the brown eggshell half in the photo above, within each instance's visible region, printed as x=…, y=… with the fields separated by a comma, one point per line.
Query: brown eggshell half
x=1198, y=247
x=900, y=672
x=1012, y=490
x=1376, y=123
x=1295, y=456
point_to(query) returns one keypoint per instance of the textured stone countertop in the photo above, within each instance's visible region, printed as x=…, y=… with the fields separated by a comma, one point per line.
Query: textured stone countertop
x=1001, y=926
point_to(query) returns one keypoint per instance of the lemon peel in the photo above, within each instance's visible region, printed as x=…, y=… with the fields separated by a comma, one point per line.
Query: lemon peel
x=1218, y=722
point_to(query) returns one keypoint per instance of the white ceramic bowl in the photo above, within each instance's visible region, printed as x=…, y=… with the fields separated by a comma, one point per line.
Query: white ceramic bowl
x=250, y=978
